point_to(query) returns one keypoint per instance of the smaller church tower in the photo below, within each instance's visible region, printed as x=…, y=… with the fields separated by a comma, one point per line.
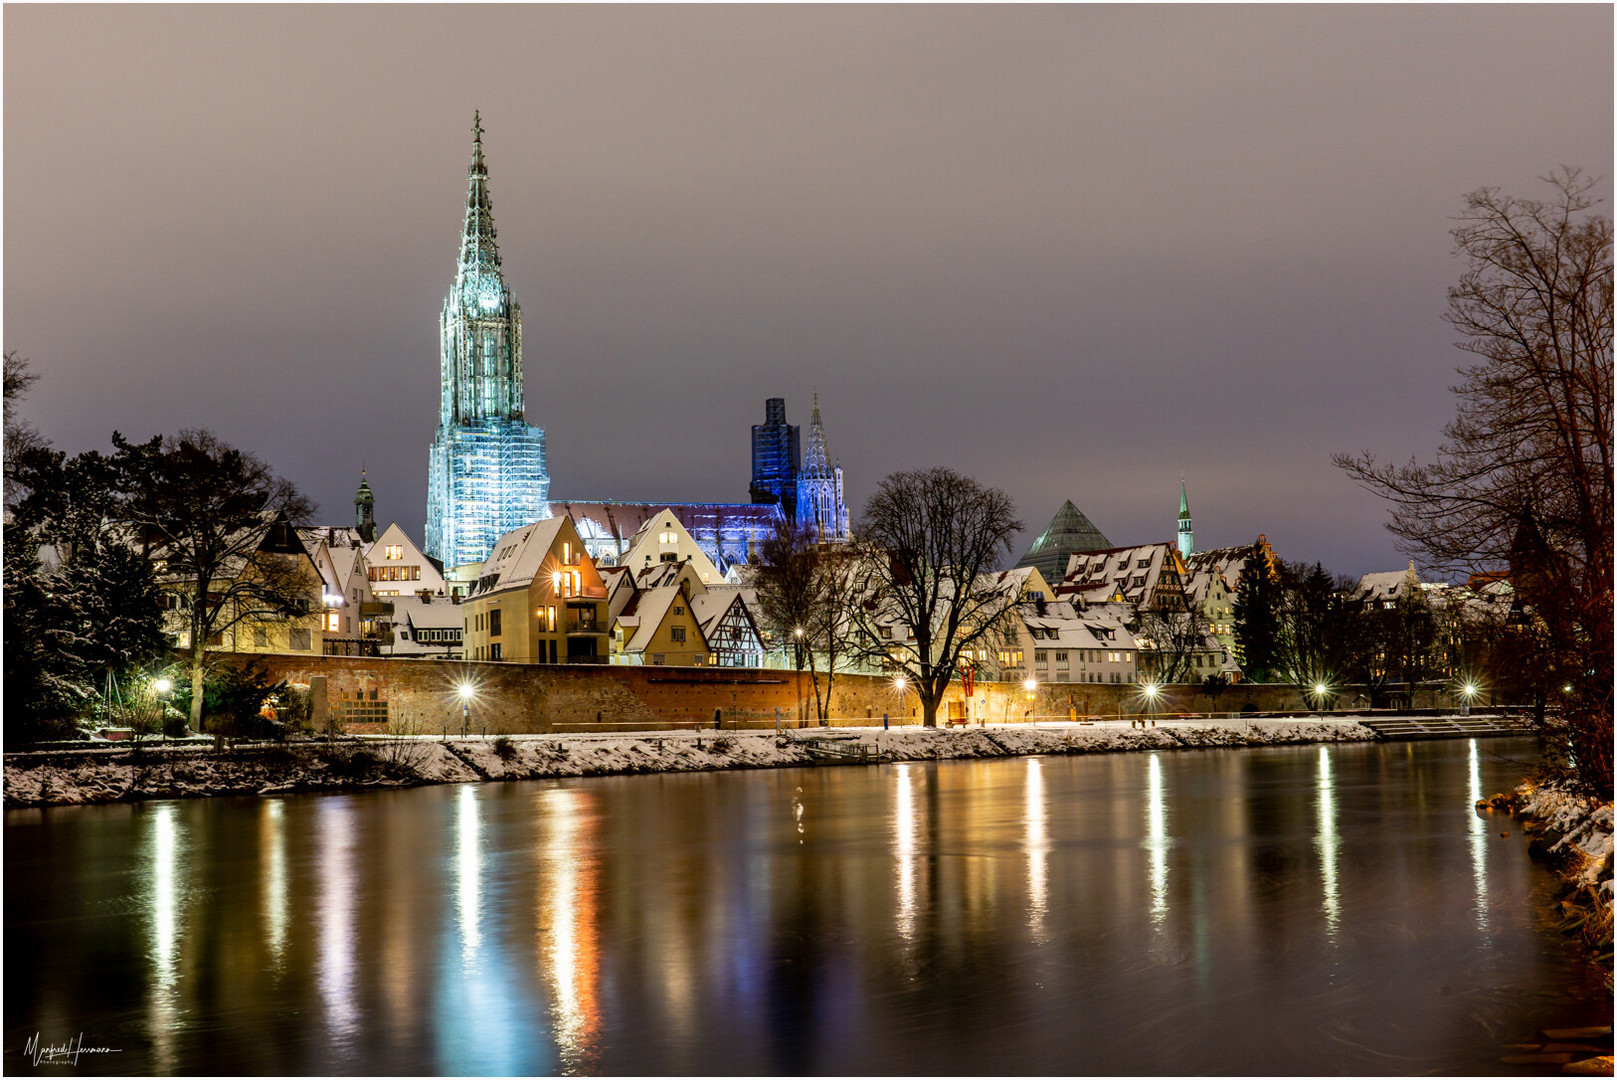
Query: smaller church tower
x=1187, y=539
x=365, y=511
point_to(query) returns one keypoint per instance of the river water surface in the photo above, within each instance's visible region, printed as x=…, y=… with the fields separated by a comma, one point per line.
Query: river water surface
x=1322, y=909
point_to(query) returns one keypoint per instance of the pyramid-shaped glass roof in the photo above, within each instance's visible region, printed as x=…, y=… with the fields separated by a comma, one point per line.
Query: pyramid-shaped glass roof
x=1068, y=531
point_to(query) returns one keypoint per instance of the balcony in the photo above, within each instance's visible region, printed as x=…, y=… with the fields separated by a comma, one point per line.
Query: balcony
x=585, y=625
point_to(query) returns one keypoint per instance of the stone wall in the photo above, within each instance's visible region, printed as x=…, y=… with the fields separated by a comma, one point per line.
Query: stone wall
x=422, y=696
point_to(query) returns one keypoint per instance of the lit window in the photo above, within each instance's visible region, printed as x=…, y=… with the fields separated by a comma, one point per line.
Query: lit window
x=393, y=551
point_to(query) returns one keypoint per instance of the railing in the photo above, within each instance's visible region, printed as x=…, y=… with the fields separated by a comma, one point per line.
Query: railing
x=585, y=626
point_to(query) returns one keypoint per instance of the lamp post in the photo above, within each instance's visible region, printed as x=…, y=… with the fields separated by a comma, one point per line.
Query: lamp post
x=1031, y=686
x=1467, y=693
x=465, y=708
x=1321, y=692
x=1151, y=691
x=900, y=684
x=797, y=647
x=164, y=687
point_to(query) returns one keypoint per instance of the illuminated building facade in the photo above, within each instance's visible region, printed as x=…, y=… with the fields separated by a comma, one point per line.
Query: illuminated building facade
x=486, y=468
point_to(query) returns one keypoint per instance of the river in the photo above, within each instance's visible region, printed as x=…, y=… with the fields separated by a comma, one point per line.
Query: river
x=1295, y=910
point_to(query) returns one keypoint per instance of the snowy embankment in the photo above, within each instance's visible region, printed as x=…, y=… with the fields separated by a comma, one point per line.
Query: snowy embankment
x=1574, y=834
x=60, y=778
x=1574, y=831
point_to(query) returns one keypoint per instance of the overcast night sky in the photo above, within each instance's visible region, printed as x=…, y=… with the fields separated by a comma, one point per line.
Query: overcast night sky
x=1074, y=252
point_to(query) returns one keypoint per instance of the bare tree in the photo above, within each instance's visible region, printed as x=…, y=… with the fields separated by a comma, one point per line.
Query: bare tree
x=1523, y=477
x=220, y=523
x=807, y=591
x=932, y=537
x=1169, y=641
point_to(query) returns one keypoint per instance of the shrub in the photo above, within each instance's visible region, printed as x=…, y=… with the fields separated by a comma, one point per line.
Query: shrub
x=504, y=749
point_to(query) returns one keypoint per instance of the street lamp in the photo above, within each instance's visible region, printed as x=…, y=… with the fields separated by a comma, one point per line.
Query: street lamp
x=1468, y=692
x=1031, y=686
x=1321, y=692
x=797, y=653
x=465, y=708
x=1151, y=690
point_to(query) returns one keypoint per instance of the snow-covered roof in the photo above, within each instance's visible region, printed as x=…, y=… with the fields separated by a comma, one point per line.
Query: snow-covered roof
x=518, y=556
x=437, y=613
x=1387, y=585
x=651, y=607
x=1133, y=571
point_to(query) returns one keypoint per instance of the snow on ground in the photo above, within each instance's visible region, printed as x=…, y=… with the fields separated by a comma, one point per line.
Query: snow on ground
x=118, y=775
x=1583, y=827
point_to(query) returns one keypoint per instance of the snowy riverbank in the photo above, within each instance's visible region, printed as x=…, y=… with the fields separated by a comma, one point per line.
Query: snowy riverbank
x=101, y=775
x=1573, y=833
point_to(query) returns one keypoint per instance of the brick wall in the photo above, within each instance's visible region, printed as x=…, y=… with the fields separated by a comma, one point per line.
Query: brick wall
x=421, y=696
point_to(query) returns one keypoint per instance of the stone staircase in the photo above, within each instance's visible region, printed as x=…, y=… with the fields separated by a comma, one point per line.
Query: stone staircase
x=1442, y=727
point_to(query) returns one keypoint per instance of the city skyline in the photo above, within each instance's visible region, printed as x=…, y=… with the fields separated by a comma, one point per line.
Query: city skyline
x=1075, y=253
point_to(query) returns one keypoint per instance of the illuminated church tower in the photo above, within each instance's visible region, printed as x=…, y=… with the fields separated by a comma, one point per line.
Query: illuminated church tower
x=819, y=486
x=486, y=468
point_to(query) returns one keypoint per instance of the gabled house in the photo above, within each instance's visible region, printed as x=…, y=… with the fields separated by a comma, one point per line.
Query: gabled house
x=663, y=538
x=538, y=600
x=729, y=626
x=1148, y=576
x=395, y=566
x=660, y=626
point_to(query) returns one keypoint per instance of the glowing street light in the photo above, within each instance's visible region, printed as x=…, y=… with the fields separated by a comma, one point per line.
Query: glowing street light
x=1150, y=690
x=466, y=692
x=163, y=686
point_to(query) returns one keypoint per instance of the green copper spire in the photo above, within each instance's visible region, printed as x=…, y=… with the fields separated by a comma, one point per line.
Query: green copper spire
x=1187, y=539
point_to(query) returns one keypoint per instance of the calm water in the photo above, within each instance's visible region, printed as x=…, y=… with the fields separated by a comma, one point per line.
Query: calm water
x=1296, y=910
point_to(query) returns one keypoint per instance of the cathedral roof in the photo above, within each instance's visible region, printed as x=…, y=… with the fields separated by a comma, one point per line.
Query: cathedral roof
x=1068, y=531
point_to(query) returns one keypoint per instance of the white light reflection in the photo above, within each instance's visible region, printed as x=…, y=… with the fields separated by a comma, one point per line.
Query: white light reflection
x=335, y=827
x=165, y=945
x=1326, y=840
x=1038, y=848
x=1156, y=841
x=567, y=906
x=272, y=877
x=904, y=845
x=1479, y=841
x=467, y=884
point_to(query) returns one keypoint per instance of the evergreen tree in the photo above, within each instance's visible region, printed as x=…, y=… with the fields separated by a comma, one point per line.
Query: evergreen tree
x=1257, y=619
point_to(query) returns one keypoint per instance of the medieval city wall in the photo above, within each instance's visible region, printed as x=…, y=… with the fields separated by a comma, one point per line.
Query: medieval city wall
x=422, y=696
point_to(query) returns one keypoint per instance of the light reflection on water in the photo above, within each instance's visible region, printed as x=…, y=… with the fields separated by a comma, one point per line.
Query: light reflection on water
x=272, y=863
x=904, y=845
x=1325, y=841
x=1038, y=847
x=1270, y=911
x=1479, y=837
x=338, y=920
x=1156, y=839
x=163, y=995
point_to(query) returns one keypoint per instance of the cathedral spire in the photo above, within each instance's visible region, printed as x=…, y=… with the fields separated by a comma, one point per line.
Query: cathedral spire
x=816, y=459
x=478, y=251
